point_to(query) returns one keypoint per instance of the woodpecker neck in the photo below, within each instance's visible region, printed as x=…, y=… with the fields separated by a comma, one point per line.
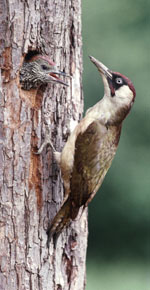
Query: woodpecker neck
x=108, y=111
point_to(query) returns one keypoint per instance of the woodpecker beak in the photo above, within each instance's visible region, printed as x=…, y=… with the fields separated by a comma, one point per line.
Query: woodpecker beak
x=101, y=67
x=106, y=75
x=56, y=79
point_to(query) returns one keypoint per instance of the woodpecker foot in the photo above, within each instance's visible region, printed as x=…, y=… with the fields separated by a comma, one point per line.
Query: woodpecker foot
x=47, y=141
x=44, y=144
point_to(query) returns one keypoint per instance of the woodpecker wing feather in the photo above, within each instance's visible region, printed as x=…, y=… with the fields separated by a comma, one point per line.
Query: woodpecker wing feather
x=91, y=154
x=94, y=152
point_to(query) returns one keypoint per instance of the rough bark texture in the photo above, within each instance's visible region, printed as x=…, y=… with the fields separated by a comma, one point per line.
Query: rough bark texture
x=31, y=190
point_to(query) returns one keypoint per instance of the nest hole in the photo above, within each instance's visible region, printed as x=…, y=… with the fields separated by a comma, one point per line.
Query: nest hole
x=30, y=54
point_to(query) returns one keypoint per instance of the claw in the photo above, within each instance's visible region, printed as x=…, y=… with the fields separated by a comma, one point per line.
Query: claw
x=47, y=141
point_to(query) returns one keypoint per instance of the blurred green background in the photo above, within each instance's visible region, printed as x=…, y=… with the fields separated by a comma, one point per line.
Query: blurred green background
x=118, y=34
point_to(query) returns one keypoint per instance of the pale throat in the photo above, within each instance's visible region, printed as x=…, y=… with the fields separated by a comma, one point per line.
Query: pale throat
x=108, y=107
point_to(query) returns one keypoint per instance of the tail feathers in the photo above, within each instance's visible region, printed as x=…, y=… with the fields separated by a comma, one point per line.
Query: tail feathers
x=65, y=215
x=61, y=220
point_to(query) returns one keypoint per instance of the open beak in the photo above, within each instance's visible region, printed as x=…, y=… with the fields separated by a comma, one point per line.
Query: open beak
x=54, y=77
x=101, y=67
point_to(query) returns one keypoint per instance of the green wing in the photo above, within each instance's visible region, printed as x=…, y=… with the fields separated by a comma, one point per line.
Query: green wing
x=94, y=152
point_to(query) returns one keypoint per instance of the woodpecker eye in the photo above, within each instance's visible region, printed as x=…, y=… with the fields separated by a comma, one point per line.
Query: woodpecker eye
x=119, y=81
x=44, y=67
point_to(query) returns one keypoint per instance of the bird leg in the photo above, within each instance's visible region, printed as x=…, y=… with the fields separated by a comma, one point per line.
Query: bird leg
x=47, y=141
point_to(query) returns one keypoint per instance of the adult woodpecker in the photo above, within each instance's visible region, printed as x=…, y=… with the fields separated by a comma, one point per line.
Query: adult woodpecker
x=38, y=71
x=90, y=149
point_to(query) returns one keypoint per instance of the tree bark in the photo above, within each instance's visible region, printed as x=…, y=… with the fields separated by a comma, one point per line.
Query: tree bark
x=31, y=190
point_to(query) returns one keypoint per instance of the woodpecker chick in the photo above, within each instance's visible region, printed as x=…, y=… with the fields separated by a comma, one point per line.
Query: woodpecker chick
x=90, y=149
x=38, y=71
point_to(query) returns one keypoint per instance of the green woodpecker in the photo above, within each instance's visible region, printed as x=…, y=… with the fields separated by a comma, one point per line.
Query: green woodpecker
x=91, y=147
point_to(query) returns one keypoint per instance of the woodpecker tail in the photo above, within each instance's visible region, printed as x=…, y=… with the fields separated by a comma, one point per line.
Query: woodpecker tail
x=61, y=220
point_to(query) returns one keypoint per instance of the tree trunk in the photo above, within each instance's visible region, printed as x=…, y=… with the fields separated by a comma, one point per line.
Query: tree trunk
x=31, y=190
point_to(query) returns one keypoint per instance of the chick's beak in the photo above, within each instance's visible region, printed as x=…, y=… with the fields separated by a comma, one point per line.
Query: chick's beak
x=54, y=77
